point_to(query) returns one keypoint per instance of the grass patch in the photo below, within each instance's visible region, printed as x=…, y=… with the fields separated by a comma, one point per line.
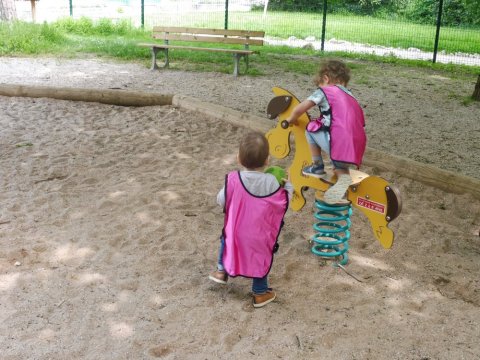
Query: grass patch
x=68, y=37
x=26, y=38
x=353, y=28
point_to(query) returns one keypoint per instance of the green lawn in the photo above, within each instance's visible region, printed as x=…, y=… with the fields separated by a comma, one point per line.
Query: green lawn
x=361, y=29
x=68, y=37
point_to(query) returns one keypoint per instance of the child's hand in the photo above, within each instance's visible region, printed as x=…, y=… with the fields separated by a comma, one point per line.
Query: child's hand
x=284, y=180
x=293, y=121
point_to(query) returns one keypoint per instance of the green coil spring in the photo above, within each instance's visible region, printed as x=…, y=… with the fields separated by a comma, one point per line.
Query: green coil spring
x=332, y=231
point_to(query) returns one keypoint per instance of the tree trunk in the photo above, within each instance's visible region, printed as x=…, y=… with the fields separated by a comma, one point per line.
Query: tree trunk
x=7, y=10
x=476, y=92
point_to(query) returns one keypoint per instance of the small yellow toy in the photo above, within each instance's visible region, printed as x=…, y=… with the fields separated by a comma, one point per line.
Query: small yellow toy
x=372, y=195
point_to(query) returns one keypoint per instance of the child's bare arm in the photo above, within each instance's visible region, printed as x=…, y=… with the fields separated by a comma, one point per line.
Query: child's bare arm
x=288, y=186
x=221, y=197
x=300, y=109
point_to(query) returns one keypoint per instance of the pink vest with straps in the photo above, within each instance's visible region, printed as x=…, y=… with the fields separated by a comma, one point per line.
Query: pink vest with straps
x=251, y=228
x=347, y=128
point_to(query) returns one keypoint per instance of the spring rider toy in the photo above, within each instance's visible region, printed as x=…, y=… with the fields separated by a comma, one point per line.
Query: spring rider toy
x=379, y=201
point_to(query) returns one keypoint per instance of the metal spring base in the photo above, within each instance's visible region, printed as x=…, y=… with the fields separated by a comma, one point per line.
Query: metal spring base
x=332, y=231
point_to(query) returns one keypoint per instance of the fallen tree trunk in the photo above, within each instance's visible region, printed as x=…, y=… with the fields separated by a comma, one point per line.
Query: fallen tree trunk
x=108, y=96
x=424, y=173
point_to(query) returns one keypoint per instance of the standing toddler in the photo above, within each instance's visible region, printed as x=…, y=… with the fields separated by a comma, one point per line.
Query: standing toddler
x=254, y=204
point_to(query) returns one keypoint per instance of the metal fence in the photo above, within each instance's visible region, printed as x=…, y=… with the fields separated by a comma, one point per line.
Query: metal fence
x=323, y=31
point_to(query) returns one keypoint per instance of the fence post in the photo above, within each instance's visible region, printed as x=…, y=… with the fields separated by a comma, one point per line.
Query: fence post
x=324, y=24
x=142, y=12
x=226, y=14
x=71, y=8
x=437, y=35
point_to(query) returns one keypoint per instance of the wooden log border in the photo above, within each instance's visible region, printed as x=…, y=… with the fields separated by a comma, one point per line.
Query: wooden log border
x=427, y=174
x=104, y=96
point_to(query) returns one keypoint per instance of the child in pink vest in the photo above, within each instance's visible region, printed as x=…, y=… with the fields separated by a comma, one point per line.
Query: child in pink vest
x=339, y=131
x=254, y=205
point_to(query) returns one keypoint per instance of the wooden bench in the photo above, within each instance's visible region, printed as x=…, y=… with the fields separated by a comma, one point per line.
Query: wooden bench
x=206, y=36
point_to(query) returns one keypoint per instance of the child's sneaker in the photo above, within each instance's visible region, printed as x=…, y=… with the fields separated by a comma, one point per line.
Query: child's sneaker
x=218, y=276
x=260, y=300
x=314, y=170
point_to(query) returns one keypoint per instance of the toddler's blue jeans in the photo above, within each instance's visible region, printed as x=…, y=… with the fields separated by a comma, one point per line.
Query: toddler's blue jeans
x=322, y=140
x=259, y=285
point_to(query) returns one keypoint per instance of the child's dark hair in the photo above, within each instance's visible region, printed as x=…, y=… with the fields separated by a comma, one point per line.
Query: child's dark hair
x=254, y=150
x=336, y=70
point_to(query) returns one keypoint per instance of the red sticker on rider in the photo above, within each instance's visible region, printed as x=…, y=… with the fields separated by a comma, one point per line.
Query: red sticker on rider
x=371, y=205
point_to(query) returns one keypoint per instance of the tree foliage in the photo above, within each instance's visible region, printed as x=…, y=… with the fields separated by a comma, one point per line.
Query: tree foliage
x=455, y=12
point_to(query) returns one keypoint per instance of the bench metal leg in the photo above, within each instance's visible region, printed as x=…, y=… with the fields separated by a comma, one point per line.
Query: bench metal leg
x=167, y=62
x=236, y=60
x=154, y=58
x=236, y=63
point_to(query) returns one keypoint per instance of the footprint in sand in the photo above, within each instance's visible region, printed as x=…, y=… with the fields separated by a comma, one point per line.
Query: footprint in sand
x=90, y=181
x=160, y=351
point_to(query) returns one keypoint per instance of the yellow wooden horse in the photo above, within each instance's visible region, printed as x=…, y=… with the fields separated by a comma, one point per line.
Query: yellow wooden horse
x=372, y=195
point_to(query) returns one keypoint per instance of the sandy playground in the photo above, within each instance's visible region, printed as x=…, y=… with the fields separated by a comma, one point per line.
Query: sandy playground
x=109, y=227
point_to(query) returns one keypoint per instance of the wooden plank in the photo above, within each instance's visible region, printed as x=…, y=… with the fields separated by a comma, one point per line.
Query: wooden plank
x=228, y=32
x=232, y=51
x=211, y=39
x=166, y=46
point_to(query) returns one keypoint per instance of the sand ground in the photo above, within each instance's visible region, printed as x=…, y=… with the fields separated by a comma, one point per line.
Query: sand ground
x=109, y=227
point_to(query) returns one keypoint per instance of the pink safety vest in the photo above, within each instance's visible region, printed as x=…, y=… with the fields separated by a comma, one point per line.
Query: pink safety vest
x=251, y=228
x=347, y=127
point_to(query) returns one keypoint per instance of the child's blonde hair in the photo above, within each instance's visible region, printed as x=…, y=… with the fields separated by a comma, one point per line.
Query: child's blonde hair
x=253, y=152
x=336, y=70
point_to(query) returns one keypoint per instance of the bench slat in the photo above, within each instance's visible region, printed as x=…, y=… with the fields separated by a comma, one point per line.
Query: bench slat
x=165, y=46
x=227, y=32
x=212, y=39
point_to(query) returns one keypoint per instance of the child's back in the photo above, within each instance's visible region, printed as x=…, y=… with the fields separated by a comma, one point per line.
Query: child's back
x=347, y=134
x=254, y=204
x=252, y=224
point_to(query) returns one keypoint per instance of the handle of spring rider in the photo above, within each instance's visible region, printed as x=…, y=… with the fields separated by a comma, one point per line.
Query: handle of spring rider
x=285, y=124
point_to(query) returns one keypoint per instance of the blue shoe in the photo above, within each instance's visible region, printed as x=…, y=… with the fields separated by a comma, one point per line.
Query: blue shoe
x=314, y=170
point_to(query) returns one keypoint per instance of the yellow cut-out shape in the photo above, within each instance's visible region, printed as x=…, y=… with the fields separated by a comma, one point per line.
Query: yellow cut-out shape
x=380, y=203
